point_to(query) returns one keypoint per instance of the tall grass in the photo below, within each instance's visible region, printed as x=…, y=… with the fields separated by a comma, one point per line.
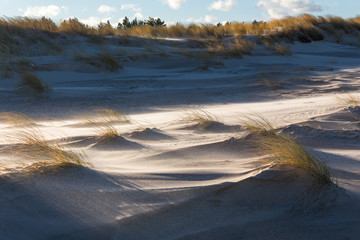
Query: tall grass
x=304, y=28
x=284, y=150
x=30, y=144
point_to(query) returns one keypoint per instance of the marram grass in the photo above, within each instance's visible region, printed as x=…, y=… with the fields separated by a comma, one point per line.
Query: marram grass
x=106, y=123
x=259, y=125
x=200, y=116
x=30, y=144
x=284, y=150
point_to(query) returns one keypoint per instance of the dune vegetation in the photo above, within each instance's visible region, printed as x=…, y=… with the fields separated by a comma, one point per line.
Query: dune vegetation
x=34, y=83
x=304, y=28
x=283, y=150
x=29, y=143
x=106, y=120
x=349, y=100
x=201, y=116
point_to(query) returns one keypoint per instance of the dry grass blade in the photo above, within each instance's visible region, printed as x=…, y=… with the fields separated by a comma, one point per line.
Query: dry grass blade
x=284, y=150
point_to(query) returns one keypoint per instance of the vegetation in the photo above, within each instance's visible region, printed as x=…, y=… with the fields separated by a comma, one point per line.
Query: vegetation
x=201, y=116
x=107, y=119
x=284, y=150
x=281, y=149
x=30, y=144
x=100, y=60
x=305, y=28
x=349, y=100
x=283, y=50
x=35, y=84
x=236, y=49
x=259, y=125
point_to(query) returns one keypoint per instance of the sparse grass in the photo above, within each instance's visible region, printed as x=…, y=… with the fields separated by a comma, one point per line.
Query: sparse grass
x=259, y=125
x=201, y=116
x=100, y=60
x=284, y=150
x=349, y=100
x=33, y=82
x=106, y=123
x=30, y=144
x=283, y=50
x=239, y=48
x=110, y=62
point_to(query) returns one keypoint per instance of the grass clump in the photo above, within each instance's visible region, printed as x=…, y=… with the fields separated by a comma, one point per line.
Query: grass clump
x=201, y=116
x=282, y=50
x=108, y=118
x=286, y=151
x=30, y=144
x=100, y=60
x=34, y=83
x=110, y=62
x=239, y=48
x=259, y=125
x=283, y=150
x=349, y=100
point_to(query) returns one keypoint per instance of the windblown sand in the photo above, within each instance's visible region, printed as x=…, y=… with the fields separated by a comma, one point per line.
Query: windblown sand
x=170, y=177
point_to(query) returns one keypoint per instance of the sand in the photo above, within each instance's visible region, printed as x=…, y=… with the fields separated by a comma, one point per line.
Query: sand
x=171, y=177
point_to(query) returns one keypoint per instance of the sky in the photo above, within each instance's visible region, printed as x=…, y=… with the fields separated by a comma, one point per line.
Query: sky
x=174, y=11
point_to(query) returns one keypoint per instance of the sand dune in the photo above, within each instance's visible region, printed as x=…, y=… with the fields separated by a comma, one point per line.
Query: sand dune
x=165, y=176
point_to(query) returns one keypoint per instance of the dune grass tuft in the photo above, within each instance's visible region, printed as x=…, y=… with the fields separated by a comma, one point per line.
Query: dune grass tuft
x=33, y=82
x=110, y=62
x=283, y=50
x=349, y=100
x=200, y=116
x=107, y=118
x=30, y=144
x=101, y=60
x=259, y=125
x=284, y=150
x=239, y=48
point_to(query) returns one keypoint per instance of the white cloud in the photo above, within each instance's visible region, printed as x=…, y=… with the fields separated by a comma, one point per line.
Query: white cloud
x=206, y=19
x=132, y=7
x=174, y=4
x=283, y=8
x=106, y=9
x=225, y=5
x=138, y=15
x=41, y=11
x=94, y=21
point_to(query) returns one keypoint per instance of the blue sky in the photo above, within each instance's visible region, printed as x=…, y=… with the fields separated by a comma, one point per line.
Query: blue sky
x=172, y=11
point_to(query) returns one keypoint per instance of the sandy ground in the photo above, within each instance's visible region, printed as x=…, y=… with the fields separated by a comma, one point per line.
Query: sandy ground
x=169, y=177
